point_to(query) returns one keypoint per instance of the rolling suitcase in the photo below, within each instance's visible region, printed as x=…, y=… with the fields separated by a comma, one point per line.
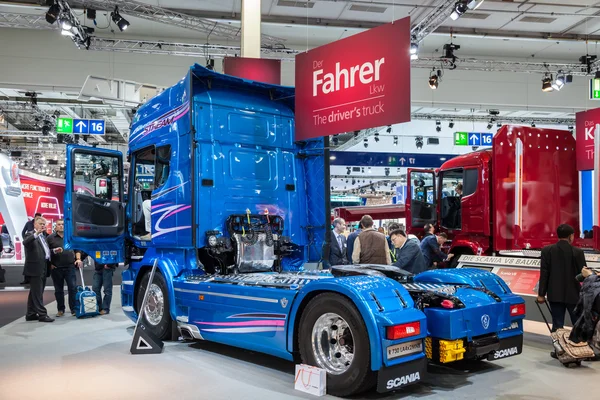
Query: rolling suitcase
x=570, y=354
x=86, y=304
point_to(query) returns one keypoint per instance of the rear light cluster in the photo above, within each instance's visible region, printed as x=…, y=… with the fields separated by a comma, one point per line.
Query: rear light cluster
x=403, y=331
x=517, y=310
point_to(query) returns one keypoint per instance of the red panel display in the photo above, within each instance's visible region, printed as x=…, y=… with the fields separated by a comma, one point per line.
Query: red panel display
x=359, y=82
x=585, y=124
x=523, y=282
x=255, y=69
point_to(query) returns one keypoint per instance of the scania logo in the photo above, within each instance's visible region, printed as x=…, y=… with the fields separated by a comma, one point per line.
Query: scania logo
x=403, y=380
x=505, y=353
x=485, y=321
x=14, y=172
x=283, y=302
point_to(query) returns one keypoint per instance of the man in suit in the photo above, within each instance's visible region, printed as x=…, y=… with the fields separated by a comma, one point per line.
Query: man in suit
x=37, y=258
x=337, y=253
x=559, y=266
x=430, y=247
x=28, y=228
x=408, y=254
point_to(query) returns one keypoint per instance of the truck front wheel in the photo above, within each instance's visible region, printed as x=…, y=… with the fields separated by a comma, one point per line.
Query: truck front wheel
x=155, y=316
x=333, y=336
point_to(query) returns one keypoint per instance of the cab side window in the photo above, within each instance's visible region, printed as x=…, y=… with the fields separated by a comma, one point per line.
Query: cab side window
x=470, y=181
x=162, y=169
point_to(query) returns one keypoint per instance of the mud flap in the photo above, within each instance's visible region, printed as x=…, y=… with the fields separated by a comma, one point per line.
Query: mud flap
x=509, y=347
x=401, y=375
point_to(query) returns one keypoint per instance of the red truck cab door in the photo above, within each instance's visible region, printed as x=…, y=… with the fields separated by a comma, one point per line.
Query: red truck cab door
x=421, y=199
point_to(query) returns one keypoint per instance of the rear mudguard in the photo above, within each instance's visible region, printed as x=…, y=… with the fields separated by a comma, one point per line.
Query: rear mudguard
x=381, y=302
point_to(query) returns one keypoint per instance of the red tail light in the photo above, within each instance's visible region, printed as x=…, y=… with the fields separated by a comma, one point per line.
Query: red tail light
x=517, y=310
x=447, y=303
x=403, y=331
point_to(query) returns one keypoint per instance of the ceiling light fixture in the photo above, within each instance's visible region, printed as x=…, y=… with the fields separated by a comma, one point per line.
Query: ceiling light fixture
x=419, y=142
x=121, y=22
x=434, y=78
x=547, y=83
x=414, y=51
x=451, y=124
x=438, y=126
x=459, y=9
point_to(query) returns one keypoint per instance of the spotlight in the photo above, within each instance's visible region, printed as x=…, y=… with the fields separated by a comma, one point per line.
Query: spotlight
x=414, y=51
x=547, y=84
x=438, y=127
x=419, y=142
x=65, y=22
x=451, y=124
x=335, y=140
x=395, y=140
x=121, y=22
x=67, y=32
x=569, y=78
x=210, y=64
x=389, y=129
x=366, y=143
x=533, y=124
x=559, y=82
x=387, y=172
x=52, y=13
x=376, y=137
x=489, y=125
x=348, y=171
x=459, y=9
x=498, y=125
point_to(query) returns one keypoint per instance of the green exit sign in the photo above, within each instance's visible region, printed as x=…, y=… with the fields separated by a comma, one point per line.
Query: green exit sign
x=594, y=89
x=461, y=139
x=64, y=125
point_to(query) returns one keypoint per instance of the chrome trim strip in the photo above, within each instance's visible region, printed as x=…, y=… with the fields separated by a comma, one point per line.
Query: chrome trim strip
x=128, y=308
x=182, y=318
x=231, y=296
x=130, y=283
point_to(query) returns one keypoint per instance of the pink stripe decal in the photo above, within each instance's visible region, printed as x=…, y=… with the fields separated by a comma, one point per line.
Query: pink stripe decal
x=245, y=323
x=177, y=211
x=160, y=205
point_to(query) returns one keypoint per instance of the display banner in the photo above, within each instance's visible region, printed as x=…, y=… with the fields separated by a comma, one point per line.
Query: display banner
x=256, y=69
x=585, y=125
x=359, y=82
x=523, y=282
x=41, y=194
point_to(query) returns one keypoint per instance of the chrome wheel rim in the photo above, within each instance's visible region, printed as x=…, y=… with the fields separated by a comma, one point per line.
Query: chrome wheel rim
x=155, y=306
x=332, y=343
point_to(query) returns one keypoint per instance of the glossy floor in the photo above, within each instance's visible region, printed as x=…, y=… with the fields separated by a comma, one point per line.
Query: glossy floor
x=89, y=359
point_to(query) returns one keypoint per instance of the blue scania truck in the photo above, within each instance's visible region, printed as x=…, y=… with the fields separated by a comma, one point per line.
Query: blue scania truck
x=231, y=209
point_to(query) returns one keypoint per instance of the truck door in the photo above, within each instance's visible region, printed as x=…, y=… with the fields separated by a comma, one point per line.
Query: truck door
x=421, y=199
x=94, y=209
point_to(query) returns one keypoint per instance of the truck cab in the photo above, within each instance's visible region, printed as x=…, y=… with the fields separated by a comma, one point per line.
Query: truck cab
x=513, y=195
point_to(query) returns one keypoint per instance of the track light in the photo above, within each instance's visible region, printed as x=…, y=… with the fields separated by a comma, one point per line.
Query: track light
x=498, y=125
x=547, y=84
x=489, y=125
x=571, y=129
x=459, y=9
x=438, y=127
x=376, y=137
x=65, y=22
x=366, y=143
x=395, y=140
x=419, y=142
x=348, y=170
x=533, y=124
x=414, y=51
x=451, y=124
x=52, y=13
x=121, y=22
x=433, y=82
x=389, y=129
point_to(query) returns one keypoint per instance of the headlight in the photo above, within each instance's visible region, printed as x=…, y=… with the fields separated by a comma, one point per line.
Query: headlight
x=212, y=240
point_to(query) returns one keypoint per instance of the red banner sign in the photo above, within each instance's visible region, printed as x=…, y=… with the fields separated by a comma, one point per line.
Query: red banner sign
x=255, y=69
x=585, y=125
x=359, y=82
x=523, y=282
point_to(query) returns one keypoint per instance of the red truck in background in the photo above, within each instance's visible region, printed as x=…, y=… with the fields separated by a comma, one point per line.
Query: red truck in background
x=514, y=195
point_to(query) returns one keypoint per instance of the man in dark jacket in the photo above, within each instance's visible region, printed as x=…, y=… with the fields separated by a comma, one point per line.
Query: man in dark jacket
x=37, y=257
x=350, y=242
x=559, y=266
x=408, y=254
x=337, y=251
x=28, y=228
x=62, y=267
x=430, y=247
x=428, y=230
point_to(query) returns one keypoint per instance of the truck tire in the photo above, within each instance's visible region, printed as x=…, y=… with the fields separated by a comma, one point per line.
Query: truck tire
x=333, y=336
x=157, y=317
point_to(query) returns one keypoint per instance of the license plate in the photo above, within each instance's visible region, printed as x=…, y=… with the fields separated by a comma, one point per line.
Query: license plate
x=404, y=349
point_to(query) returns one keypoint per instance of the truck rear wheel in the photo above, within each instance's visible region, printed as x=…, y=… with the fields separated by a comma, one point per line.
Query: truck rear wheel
x=156, y=315
x=333, y=336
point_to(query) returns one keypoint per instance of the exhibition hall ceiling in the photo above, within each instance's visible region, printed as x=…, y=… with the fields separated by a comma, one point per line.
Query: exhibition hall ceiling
x=505, y=32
